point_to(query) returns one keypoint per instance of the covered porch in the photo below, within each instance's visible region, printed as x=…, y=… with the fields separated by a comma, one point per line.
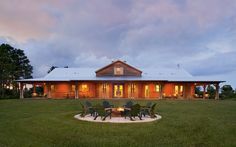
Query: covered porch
x=121, y=89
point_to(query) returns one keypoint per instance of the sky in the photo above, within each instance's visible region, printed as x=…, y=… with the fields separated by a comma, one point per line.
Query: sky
x=199, y=35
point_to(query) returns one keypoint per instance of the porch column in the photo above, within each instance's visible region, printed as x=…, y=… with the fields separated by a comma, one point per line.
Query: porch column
x=49, y=90
x=217, y=91
x=76, y=91
x=34, y=90
x=161, y=90
x=184, y=91
x=204, y=91
x=21, y=90
x=192, y=91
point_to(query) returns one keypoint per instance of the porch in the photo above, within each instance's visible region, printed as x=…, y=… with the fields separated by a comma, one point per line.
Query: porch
x=122, y=90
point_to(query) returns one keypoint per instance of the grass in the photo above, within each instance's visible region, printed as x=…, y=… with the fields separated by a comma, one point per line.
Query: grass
x=51, y=123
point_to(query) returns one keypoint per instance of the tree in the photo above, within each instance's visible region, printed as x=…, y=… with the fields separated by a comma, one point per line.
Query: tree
x=198, y=91
x=14, y=65
x=52, y=68
x=211, y=91
x=227, y=92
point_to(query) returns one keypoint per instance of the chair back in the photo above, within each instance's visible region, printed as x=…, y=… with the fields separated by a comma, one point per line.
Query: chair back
x=152, y=113
x=83, y=110
x=153, y=107
x=149, y=104
x=129, y=104
x=88, y=104
x=135, y=110
x=106, y=104
x=100, y=110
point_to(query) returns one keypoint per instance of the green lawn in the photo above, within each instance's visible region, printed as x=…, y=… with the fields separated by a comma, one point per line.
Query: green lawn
x=51, y=123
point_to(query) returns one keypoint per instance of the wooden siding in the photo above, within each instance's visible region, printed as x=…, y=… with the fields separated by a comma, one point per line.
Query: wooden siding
x=109, y=70
x=94, y=90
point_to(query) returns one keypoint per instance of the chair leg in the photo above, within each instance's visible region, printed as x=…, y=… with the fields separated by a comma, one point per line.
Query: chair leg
x=140, y=117
x=95, y=117
x=131, y=118
x=104, y=118
x=108, y=114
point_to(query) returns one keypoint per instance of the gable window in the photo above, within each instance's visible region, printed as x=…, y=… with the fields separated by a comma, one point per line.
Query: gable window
x=118, y=71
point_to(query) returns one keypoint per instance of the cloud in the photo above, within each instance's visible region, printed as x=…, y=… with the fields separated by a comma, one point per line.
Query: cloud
x=200, y=35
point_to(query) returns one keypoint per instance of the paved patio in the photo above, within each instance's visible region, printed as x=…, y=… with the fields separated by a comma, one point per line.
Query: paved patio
x=117, y=119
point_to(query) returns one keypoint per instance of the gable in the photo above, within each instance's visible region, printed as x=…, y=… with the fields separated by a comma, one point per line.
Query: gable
x=118, y=68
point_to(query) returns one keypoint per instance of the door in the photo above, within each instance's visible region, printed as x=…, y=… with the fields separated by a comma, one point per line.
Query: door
x=132, y=90
x=178, y=91
x=104, y=90
x=118, y=90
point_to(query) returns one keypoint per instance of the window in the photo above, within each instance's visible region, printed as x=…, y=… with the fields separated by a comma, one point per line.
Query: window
x=104, y=87
x=181, y=88
x=132, y=88
x=84, y=87
x=176, y=90
x=72, y=88
x=118, y=71
x=52, y=88
x=146, y=91
x=157, y=88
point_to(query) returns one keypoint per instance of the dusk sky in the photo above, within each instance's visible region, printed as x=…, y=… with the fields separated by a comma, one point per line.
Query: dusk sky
x=200, y=35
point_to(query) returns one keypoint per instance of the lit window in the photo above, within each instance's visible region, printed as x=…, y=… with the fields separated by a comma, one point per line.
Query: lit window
x=52, y=87
x=133, y=87
x=146, y=91
x=118, y=71
x=181, y=88
x=157, y=88
x=73, y=88
x=84, y=87
x=104, y=87
x=176, y=89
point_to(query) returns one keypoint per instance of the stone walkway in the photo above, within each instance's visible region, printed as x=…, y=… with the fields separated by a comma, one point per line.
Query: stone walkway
x=117, y=119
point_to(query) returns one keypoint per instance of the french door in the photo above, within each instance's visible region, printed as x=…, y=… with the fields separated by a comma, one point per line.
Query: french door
x=118, y=90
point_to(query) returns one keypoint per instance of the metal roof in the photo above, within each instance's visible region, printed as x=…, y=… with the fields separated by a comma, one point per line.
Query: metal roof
x=151, y=74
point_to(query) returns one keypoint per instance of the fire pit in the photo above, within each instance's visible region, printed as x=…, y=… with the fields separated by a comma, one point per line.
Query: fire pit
x=117, y=112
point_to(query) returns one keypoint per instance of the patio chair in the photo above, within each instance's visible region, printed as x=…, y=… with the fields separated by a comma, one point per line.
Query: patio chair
x=149, y=111
x=101, y=111
x=89, y=108
x=106, y=104
x=148, y=105
x=83, y=112
x=133, y=111
x=128, y=105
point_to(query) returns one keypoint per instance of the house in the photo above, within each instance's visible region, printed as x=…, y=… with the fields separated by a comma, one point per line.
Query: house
x=120, y=80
